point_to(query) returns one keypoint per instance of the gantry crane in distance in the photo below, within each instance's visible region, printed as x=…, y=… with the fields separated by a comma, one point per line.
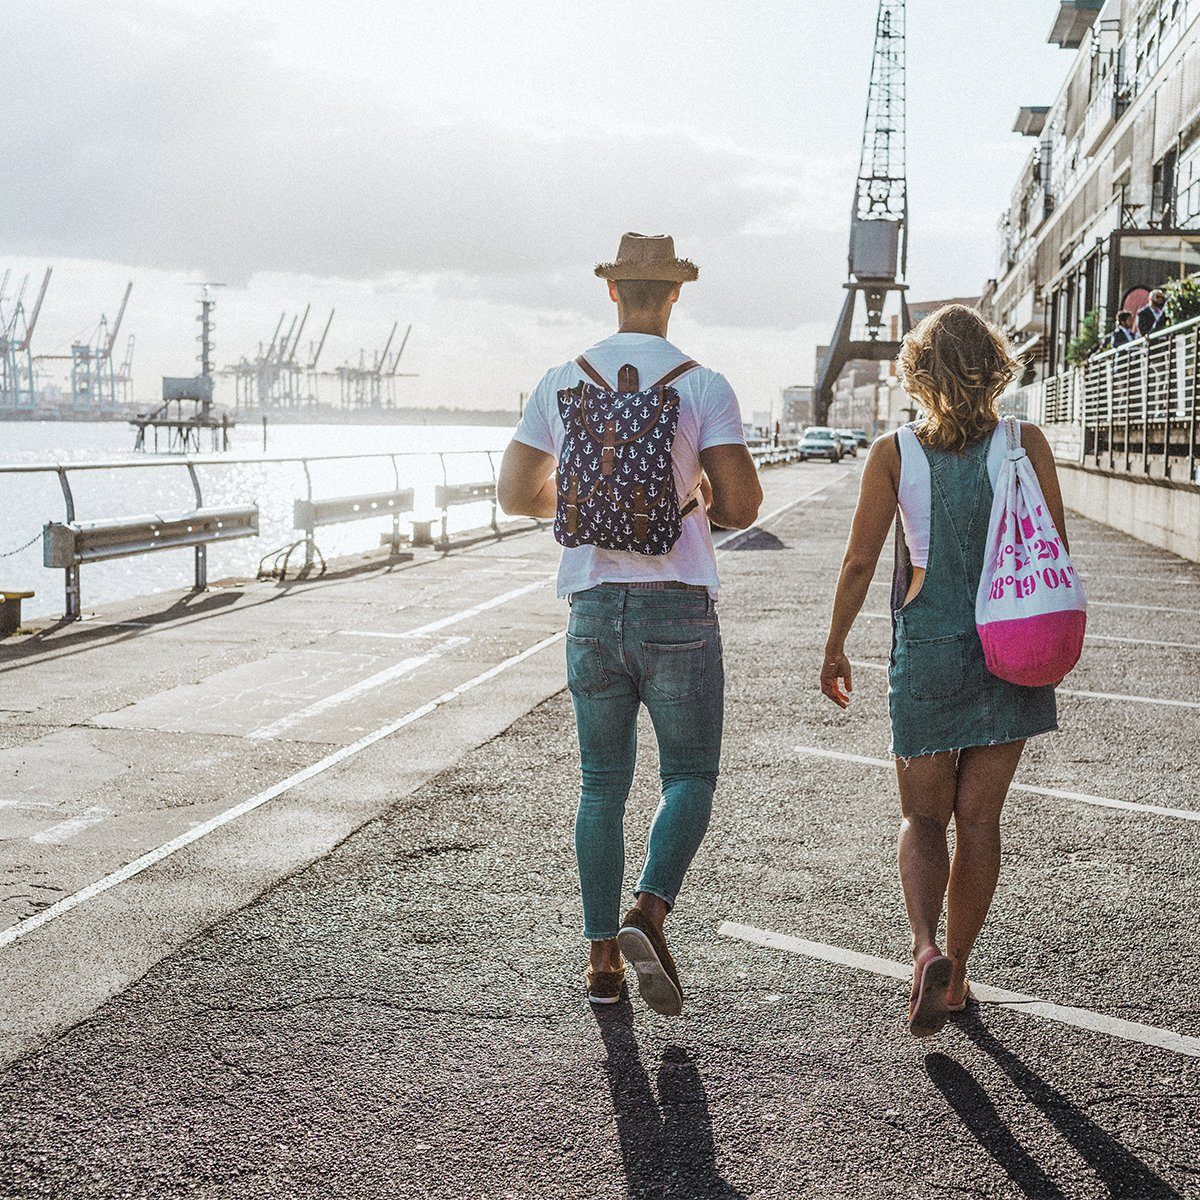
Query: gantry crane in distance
x=18, y=380
x=93, y=376
x=878, y=219
x=371, y=384
x=276, y=377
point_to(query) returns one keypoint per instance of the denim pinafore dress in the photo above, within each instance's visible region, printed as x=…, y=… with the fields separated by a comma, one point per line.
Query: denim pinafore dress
x=941, y=695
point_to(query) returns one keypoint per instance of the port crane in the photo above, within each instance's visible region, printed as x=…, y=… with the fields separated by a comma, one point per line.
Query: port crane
x=878, y=260
x=18, y=379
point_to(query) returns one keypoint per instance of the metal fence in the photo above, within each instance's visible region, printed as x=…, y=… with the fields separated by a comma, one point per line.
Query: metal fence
x=1132, y=410
x=114, y=534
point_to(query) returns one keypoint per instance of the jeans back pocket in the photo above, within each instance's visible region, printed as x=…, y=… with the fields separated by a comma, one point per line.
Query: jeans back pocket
x=673, y=672
x=585, y=669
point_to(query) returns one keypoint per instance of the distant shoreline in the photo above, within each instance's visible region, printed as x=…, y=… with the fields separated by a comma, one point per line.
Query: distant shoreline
x=500, y=418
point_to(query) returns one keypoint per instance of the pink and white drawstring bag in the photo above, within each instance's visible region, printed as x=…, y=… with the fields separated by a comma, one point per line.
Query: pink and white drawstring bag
x=1030, y=610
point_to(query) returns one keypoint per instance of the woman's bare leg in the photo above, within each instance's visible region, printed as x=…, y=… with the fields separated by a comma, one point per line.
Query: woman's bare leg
x=927, y=791
x=984, y=776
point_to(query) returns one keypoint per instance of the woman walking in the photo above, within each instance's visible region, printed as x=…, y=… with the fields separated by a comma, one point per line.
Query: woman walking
x=957, y=731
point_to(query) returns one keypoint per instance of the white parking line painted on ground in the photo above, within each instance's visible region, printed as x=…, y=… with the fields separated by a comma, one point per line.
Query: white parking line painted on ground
x=151, y=857
x=762, y=522
x=454, y=618
x=64, y=831
x=1159, y=810
x=389, y=675
x=1062, y=691
x=1091, y=637
x=1080, y=1018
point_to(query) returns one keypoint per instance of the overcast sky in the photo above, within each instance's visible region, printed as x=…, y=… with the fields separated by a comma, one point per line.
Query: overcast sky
x=464, y=165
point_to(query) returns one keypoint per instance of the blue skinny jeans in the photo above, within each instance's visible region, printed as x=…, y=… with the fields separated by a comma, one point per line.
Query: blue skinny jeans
x=627, y=647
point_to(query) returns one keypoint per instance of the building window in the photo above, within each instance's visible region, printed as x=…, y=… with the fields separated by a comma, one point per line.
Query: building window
x=1187, y=187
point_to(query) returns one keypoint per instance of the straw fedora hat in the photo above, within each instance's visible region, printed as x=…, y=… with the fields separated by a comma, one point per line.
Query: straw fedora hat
x=648, y=256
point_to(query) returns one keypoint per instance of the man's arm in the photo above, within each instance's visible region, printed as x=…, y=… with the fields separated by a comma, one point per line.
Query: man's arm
x=526, y=487
x=736, y=491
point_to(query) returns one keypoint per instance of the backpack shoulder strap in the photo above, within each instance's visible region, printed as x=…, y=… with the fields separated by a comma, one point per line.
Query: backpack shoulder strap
x=676, y=372
x=591, y=372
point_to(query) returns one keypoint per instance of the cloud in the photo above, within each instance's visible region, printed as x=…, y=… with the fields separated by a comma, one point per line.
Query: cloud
x=200, y=150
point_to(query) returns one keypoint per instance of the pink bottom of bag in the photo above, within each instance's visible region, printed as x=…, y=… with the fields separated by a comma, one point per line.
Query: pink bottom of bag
x=1034, y=651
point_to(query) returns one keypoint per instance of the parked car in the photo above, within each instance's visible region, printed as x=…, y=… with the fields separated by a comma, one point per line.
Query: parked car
x=819, y=441
x=849, y=440
x=864, y=438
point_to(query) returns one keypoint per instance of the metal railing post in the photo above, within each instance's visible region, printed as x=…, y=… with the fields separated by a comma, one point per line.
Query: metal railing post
x=201, y=583
x=1146, y=410
x=1191, y=404
x=1170, y=376
x=445, y=538
x=495, y=492
x=309, y=536
x=395, y=547
x=1109, y=384
x=73, y=601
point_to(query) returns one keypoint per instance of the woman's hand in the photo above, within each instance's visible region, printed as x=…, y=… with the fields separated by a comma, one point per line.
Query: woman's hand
x=834, y=670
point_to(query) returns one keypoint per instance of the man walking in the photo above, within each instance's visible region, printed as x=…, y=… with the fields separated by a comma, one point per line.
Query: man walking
x=634, y=448
x=1153, y=316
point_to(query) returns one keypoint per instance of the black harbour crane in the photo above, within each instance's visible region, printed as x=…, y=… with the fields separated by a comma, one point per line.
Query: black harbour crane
x=879, y=219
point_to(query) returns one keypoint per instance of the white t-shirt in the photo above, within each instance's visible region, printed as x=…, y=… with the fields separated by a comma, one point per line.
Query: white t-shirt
x=708, y=416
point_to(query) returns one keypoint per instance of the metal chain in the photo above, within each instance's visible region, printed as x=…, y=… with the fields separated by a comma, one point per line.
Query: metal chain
x=10, y=553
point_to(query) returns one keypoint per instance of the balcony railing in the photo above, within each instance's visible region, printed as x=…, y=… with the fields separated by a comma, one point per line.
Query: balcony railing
x=1134, y=410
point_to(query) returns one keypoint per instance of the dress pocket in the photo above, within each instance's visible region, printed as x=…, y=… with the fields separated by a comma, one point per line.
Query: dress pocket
x=673, y=673
x=936, y=667
x=585, y=670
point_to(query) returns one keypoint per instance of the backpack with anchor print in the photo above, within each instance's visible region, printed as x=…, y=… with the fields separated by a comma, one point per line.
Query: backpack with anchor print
x=616, y=485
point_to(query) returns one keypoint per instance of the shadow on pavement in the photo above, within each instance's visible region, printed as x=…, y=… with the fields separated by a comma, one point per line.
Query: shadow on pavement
x=667, y=1147
x=1119, y=1169
x=759, y=539
x=967, y=1097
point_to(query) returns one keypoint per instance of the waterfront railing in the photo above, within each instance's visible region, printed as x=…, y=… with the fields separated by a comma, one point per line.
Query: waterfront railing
x=69, y=543
x=1134, y=410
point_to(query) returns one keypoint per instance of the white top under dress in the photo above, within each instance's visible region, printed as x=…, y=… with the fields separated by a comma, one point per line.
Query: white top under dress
x=915, y=495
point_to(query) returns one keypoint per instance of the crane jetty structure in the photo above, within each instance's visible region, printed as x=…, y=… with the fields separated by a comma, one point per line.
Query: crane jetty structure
x=187, y=409
x=878, y=258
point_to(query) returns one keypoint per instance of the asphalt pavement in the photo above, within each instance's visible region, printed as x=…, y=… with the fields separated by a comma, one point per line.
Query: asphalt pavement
x=401, y=1014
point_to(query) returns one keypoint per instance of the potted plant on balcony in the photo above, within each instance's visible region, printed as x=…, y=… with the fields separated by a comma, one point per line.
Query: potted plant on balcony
x=1087, y=341
x=1183, y=299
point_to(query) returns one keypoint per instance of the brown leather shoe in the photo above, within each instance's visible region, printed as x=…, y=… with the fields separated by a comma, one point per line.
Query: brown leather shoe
x=646, y=948
x=604, y=987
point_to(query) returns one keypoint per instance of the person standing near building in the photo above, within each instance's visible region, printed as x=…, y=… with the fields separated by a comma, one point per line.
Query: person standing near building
x=1124, y=332
x=1153, y=316
x=639, y=569
x=958, y=731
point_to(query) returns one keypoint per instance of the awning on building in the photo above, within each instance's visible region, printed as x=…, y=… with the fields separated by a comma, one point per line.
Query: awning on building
x=1031, y=120
x=1075, y=18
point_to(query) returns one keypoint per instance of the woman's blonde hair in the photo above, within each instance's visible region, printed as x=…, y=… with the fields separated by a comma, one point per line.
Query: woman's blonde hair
x=954, y=365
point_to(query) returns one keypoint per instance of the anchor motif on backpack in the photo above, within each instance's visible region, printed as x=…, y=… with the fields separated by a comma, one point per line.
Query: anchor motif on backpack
x=633, y=506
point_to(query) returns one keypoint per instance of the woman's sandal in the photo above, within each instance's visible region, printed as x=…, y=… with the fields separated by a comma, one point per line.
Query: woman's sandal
x=968, y=997
x=927, y=1010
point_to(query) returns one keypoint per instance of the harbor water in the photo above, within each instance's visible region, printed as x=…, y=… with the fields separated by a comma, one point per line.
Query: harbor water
x=428, y=455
